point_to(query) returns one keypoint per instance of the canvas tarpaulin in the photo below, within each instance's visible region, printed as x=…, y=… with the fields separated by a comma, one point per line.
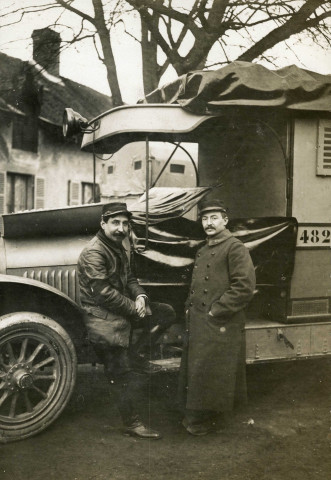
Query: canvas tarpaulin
x=247, y=84
x=165, y=203
x=172, y=245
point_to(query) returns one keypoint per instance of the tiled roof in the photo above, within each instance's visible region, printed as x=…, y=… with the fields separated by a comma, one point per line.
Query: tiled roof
x=57, y=92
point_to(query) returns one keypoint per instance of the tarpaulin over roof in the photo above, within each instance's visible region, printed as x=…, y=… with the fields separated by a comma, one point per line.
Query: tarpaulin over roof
x=167, y=203
x=247, y=84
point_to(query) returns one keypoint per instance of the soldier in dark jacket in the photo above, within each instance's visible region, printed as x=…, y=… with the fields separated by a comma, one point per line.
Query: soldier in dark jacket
x=115, y=303
x=212, y=376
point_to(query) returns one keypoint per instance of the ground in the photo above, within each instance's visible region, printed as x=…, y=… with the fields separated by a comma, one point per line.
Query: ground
x=282, y=434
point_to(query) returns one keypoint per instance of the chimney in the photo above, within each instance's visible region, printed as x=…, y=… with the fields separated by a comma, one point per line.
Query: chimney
x=46, y=49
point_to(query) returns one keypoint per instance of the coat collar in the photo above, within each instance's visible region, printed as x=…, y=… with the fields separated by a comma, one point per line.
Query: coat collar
x=219, y=238
x=109, y=243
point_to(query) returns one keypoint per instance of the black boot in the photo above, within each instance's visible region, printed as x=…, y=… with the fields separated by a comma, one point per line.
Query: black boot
x=141, y=364
x=139, y=430
x=127, y=392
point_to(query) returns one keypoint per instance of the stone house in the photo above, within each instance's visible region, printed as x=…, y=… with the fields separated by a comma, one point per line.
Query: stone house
x=38, y=167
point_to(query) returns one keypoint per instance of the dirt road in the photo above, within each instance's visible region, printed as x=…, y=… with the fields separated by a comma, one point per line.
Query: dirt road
x=283, y=434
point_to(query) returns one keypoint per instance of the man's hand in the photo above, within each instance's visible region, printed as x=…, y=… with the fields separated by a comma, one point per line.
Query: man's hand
x=140, y=307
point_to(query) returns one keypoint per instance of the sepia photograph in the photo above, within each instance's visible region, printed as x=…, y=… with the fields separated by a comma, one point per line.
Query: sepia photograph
x=165, y=239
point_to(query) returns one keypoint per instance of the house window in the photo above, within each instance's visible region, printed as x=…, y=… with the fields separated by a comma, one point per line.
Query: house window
x=19, y=192
x=177, y=168
x=137, y=165
x=87, y=193
x=25, y=133
x=110, y=169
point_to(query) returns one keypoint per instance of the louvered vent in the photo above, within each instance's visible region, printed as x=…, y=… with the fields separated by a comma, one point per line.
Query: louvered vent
x=324, y=148
x=64, y=279
x=310, y=307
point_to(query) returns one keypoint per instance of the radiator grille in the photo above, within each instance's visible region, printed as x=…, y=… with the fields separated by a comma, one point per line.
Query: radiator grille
x=64, y=279
x=310, y=307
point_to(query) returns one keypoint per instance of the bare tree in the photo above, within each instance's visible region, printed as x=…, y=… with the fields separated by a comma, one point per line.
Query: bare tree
x=195, y=28
x=210, y=21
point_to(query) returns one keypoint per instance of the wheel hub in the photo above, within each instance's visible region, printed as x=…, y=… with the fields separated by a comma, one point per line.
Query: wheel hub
x=24, y=380
x=19, y=376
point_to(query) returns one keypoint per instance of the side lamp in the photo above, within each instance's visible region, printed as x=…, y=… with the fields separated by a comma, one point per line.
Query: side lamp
x=73, y=123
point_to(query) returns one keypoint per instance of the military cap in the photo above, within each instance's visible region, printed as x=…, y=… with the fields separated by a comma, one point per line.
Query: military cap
x=115, y=208
x=212, y=205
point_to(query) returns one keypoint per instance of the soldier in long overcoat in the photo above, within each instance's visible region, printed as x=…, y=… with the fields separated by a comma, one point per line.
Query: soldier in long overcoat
x=115, y=303
x=212, y=376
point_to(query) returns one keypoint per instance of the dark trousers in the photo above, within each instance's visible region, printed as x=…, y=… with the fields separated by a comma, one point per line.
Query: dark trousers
x=117, y=361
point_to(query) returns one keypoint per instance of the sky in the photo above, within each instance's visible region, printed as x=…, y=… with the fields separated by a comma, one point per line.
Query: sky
x=80, y=62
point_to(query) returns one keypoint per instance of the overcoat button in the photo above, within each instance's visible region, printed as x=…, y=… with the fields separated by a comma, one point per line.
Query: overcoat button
x=195, y=266
x=198, y=255
x=192, y=291
x=208, y=265
x=203, y=304
x=205, y=290
x=207, y=278
x=222, y=329
x=191, y=304
x=213, y=253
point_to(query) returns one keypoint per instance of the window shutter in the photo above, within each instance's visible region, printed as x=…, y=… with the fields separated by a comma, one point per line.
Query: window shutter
x=2, y=192
x=324, y=148
x=39, y=198
x=2, y=197
x=74, y=193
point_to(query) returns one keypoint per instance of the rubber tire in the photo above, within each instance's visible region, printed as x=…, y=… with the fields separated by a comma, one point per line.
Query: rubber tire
x=43, y=330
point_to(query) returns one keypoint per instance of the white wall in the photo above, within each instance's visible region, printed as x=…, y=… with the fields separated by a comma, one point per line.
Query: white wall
x=311, y=193
x=125, y=181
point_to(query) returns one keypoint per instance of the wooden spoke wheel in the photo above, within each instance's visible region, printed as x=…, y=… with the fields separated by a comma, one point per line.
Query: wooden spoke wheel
x=37, y=373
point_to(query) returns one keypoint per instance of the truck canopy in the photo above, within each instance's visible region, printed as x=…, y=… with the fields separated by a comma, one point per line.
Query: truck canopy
x=179, y=110
x=247, y=84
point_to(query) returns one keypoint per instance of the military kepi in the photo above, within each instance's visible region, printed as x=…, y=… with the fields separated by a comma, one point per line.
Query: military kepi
x=115, y=208
x=212, y=205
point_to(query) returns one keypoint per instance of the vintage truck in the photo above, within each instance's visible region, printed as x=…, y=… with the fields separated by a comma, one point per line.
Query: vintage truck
x=265, y=137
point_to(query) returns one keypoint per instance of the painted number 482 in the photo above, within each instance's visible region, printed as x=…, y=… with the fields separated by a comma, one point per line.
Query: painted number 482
x=315, y=236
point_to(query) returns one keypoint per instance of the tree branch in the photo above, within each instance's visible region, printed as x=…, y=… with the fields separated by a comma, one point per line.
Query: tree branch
x=67, y=6
x=294, y=25
x=144, y=5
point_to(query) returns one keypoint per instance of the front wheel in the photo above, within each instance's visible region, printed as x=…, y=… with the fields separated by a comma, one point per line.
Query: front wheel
x=37, y=373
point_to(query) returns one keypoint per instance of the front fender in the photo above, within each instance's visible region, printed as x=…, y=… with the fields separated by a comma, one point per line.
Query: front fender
x=23, y=294
x=13, y=279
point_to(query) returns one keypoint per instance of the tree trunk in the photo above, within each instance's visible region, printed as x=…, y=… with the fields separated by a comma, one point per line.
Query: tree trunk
x=150, y=66
x=109, y=60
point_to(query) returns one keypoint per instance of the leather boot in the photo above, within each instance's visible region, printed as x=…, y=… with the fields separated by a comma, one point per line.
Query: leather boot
x=141, y=364
x=139, y=430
